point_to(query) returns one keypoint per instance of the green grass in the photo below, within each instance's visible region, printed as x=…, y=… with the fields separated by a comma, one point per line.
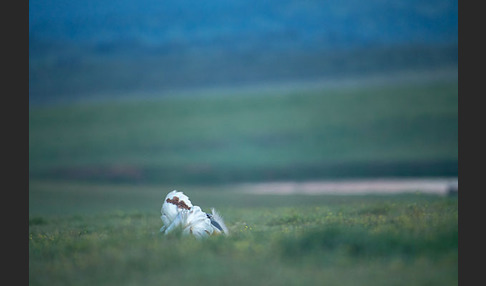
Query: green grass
x=104, y=234
x=99, y=172
x=391, y=130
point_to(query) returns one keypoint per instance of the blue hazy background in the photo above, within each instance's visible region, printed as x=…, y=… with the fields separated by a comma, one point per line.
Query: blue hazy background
x=93, y=48
x=224, y=91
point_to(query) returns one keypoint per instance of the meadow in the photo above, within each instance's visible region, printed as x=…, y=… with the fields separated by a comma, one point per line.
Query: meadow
x=103, y=234
x=407, y=129
x=99, y=170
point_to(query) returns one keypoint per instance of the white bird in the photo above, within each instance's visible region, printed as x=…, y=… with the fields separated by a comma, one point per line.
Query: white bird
x=178, y=211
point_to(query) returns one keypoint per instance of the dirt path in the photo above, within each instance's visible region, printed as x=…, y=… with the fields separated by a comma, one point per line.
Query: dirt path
x=442, y=186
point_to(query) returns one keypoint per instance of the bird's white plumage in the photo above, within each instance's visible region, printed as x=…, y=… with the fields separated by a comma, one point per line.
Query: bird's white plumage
x=178, y=212
x=169, y=210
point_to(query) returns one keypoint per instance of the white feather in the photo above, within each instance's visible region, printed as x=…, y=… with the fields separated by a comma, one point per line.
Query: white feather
x=169, y=211
x=217, y=217
x=193, y=221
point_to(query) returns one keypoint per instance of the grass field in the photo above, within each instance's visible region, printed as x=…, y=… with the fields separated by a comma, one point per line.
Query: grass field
x=98, y=172
x=364, y=131
x=107, y=234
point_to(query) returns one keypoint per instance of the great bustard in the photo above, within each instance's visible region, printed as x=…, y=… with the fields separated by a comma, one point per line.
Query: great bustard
x=178, y=212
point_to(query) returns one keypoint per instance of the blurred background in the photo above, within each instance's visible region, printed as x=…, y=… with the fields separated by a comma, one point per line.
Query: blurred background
x=166, y=91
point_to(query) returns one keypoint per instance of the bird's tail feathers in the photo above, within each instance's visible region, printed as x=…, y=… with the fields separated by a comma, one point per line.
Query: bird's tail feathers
x=217, y=217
